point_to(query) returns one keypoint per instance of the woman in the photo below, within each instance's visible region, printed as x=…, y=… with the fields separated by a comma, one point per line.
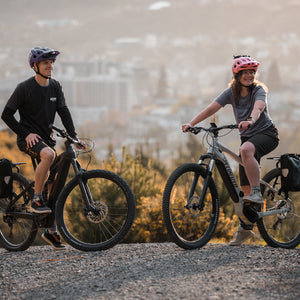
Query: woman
x=259, y=136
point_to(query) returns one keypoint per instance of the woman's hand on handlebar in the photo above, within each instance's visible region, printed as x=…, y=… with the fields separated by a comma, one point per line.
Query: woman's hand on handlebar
x=244, y=125
x=185, y=127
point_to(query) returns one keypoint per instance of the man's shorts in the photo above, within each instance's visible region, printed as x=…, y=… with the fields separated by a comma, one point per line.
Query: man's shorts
x=35, y=151
x=264, y=142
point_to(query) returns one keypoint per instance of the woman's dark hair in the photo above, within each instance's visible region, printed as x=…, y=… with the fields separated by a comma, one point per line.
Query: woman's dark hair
x=237, y=86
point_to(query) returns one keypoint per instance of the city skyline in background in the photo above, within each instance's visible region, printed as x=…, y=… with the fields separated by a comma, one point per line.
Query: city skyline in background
x=133, y=71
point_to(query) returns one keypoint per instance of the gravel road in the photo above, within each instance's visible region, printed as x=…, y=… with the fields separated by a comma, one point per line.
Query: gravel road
x=151, y=271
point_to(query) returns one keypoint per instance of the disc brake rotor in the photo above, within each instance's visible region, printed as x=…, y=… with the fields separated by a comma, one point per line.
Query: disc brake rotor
x=192, y=206
x=101, y=215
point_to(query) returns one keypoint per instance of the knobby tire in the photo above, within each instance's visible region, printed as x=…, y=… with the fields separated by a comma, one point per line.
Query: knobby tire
x=17, y=234
x=189, y=228
x=85, y=230
x=281, y=230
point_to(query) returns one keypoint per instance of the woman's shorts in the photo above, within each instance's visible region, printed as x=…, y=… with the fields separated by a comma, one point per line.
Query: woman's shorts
x=264, y=142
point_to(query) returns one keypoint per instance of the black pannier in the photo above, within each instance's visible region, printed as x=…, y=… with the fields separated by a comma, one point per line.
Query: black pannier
x=290, y=172
x=5, y=178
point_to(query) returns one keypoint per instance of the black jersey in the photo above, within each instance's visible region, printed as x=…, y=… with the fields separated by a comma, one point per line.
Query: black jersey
x=37, y=106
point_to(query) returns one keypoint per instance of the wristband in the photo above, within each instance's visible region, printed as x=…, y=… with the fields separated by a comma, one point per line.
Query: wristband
x=251, y=119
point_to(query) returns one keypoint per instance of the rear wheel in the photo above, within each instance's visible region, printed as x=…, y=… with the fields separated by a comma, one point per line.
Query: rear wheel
x=17, y=232
x=283, y=229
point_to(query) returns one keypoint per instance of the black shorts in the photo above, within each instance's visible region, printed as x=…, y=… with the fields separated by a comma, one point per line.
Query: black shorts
x=34, y=152
x=264, y=142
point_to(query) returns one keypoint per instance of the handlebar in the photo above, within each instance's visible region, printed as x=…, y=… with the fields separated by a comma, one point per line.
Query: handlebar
x=213, y=129
x=64, y=134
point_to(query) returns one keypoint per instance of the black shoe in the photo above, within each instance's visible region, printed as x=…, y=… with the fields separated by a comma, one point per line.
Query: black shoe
x=38, y=206
x=53, y=239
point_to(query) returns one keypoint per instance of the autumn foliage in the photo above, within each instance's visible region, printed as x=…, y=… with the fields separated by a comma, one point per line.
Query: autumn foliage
x=147, y=178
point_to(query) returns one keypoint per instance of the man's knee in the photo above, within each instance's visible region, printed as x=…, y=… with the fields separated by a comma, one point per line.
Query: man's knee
x=47, y=154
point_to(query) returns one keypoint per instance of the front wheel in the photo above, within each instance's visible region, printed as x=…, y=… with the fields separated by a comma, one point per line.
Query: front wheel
x=282, y=229
x=110, y=220
x=190, y=224
x=18, y=228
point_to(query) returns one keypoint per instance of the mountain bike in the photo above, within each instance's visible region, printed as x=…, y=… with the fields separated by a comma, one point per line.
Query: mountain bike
x=191, y=204
x=94, y=210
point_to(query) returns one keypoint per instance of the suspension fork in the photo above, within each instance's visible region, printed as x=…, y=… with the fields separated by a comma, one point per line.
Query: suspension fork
x=208, y=176
x=209, y=170
x=85, y=190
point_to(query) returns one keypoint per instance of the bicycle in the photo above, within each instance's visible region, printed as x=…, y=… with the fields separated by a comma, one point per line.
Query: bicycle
x=191, y=204
x=94, y=210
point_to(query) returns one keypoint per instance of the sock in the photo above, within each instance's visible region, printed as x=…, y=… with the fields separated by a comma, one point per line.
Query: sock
x=52, y=229
x=37, y=197
x=255, y=189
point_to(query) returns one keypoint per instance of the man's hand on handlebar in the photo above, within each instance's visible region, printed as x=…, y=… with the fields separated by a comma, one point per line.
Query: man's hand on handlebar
x=80, y=144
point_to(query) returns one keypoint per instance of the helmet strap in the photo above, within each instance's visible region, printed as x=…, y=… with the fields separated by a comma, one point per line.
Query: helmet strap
x=38, y=72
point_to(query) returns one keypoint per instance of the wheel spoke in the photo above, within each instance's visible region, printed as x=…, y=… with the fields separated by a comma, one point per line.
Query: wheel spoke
x=190, y=225
x=88, y=230
x=17, y=233
x=282, y=229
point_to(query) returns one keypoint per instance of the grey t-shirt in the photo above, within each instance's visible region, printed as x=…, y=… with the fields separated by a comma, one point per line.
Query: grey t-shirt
x=244, y=106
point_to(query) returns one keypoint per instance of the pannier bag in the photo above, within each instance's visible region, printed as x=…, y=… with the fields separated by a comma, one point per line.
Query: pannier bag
x=5, y=178
x=290, y=172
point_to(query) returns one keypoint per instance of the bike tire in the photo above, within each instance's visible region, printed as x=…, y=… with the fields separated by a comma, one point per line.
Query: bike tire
x=85, y=230
x=281, y=230
x=17, y=233
x=189, y=228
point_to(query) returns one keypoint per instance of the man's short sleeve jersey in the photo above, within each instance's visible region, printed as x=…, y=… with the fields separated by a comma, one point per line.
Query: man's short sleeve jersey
x=243, y=107
x=37, y=105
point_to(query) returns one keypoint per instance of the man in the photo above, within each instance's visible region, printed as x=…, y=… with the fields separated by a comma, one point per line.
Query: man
x=37, y=100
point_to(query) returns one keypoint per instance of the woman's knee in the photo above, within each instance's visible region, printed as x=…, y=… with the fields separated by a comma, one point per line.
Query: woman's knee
x=247, y=150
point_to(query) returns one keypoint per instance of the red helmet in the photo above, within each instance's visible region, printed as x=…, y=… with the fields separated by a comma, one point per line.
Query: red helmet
x=241, y=63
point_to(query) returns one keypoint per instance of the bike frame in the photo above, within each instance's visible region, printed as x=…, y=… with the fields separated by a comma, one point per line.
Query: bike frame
x=62, y=163
x=216, y=155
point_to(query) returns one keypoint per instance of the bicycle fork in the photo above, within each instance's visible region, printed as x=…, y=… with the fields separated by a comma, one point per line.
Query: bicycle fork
x=200, y=204
x=85, y=190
